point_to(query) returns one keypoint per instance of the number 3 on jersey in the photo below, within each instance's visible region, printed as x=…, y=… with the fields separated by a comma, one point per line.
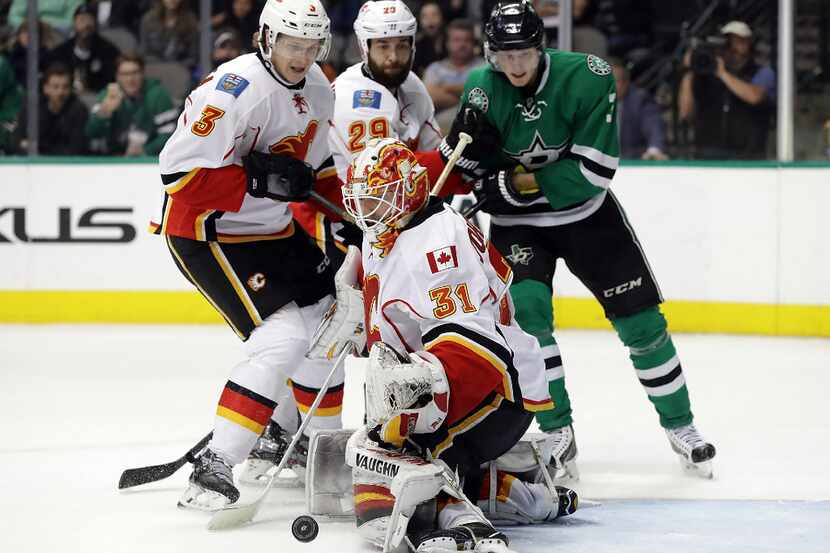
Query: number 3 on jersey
x=378, y=128
x=205, y=125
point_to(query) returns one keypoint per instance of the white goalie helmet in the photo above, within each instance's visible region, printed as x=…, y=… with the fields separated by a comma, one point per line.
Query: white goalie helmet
x=385, y=186
x=384, y=19
x=297, y=18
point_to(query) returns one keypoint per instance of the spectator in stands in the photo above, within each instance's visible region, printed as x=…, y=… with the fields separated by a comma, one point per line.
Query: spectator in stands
x=48, y=39
x=640, y=123
x=445, y=79
x=243, y=16
x=57, y=13
x=134, y=116
x=227, y=46
x=126, y=14
x=586, y=37
x=10, y=101
x=730, y=101
x=170, y=32
x=430, y=40
x=344, y=51
x=628, y=24
x=90, y=56
x=454, y=9
x=62, y=117
x=5, y=29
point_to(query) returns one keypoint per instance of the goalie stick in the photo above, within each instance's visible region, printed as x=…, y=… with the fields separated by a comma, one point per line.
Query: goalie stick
x=233, y=516
x=144, y=475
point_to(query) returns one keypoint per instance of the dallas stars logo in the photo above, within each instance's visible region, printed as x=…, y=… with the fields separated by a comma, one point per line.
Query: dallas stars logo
x=519, y=255
x=538, y=154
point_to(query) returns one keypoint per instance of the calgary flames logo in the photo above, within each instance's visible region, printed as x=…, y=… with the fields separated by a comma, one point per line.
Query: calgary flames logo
x=296, y=145
x=257, y=282
x=385, y=240
x=396, y=164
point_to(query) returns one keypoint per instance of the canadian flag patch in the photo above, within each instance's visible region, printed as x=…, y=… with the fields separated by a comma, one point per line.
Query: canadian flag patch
x=442, y=259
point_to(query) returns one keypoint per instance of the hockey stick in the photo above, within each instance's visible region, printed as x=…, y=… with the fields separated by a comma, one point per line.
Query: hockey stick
x=233, y=516
x=145, y=475
x=463, y=140
x=330, y=205
x=473, y=209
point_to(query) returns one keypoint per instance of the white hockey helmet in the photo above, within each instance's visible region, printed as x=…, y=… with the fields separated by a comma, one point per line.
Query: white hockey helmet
x=297, y=18
x=384, y=19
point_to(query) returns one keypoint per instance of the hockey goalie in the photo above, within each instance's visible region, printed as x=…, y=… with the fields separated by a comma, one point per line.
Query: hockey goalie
x=452, y=382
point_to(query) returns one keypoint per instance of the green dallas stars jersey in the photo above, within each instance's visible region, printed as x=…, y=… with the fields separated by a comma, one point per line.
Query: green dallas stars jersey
x=566, y=134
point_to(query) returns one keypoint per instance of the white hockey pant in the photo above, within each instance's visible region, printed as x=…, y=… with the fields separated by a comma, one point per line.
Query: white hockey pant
x=275, y=367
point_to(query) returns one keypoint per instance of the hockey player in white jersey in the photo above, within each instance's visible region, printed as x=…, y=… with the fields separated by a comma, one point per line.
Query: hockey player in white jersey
x=378, y=97
x=251, y=139
x=452, y=381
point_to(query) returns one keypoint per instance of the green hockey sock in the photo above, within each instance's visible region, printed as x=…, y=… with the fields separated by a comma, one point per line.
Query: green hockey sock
x=656, y=363
x=534, y=313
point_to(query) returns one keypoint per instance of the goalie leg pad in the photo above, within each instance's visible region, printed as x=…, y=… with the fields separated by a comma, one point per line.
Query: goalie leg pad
x=329, y=488
x=388, y=488
x=520, y=502
x=513, y=493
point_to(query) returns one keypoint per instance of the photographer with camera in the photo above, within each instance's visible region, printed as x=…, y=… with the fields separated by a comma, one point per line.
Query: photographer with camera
x=727, y=97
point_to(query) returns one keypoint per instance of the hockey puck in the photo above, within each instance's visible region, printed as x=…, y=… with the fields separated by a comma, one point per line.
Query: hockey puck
x=305, y=528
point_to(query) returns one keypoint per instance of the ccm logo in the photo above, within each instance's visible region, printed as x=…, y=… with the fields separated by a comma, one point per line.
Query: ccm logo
x=623, y=288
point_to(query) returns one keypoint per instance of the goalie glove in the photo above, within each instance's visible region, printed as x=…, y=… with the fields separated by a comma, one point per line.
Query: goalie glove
x=404, y=395
x=343, y=323
x=278, y=177
x=486, y=139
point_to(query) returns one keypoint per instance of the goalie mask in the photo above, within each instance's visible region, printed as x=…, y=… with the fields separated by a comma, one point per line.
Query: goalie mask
x=512, y=26
x=385, y=186
x=296, y=18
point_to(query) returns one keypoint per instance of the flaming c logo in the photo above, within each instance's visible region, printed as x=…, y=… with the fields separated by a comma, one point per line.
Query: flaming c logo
x=296, y=145
x=385, y=241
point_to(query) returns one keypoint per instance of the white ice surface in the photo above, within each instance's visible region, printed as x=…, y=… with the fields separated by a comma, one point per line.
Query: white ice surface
x=82, y=403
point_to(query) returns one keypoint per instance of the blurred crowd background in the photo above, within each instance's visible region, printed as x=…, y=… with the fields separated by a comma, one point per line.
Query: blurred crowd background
x=695, y=79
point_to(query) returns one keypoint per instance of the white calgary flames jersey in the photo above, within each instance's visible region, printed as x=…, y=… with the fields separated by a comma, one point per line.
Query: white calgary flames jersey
x=239, y=108
x=365, y=109
x=441, y=287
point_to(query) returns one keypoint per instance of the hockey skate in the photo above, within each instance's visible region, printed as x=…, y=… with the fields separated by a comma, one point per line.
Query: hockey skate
x=695, y=452
x=211, y=484
x=562, y=446
x=475, y=536
x=267, y=454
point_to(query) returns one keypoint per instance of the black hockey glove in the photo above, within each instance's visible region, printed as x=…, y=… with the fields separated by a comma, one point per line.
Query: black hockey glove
x=486, y=139
x=278, y=177
x=498, y=188
x=347, y=233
